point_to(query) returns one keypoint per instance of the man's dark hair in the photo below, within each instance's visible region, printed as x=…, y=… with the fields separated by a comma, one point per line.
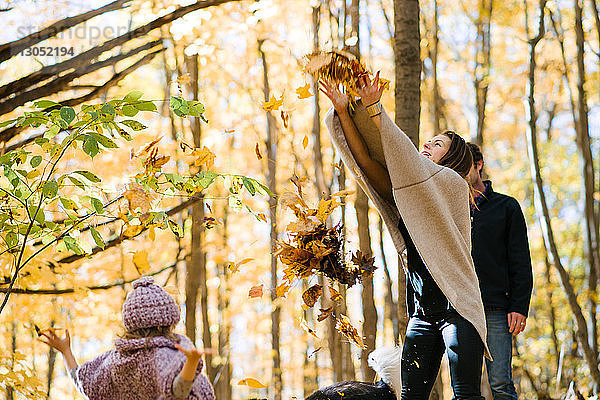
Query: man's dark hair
x=353, y=390
x=475, y=152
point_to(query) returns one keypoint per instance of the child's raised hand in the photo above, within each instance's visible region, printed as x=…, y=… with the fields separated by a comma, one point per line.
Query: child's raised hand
x=62, y=345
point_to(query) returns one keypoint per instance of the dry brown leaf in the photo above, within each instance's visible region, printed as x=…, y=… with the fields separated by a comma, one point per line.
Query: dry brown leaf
x=344, y=327
x=312, y=294
x=138, y=197
x=335, y=295
x=204, y=157
x=257, y=151
x=255, y=291
x=307, y=329
x=324, y=313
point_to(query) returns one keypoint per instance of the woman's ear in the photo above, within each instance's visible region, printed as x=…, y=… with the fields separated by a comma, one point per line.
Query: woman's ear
x=479, y=166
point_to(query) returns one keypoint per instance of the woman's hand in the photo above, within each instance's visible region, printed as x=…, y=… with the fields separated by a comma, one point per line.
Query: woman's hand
x=369, y=92
x=339, y=99
x=192, y=352
x=63, y=345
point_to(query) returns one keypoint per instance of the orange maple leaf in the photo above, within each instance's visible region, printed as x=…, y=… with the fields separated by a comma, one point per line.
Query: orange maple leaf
x=303, y=92
x=272, y=104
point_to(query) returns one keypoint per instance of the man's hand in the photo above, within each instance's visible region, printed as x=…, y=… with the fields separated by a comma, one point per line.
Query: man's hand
x=516, y=323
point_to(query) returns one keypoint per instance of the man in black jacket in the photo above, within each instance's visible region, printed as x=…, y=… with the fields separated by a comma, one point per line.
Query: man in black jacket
x=501, y=255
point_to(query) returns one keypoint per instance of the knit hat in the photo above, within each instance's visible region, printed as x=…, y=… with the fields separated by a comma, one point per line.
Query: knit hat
x=148, y=305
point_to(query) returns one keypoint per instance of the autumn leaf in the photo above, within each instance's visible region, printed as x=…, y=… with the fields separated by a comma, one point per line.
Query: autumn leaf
x=261, y=217
x=255, y=291
x=184, y=79
x=272, y=104
x=140, y=261
x=204, y=157
x=384, y=83
x=235, y=267
x=307, y=329
x=312, y=294
x=305, y=142
x=344, y=327
x=291, y=199
x=326, y=207
x=303, y=92
x=281, y=290
x=324, y=313
x=343, y=193
x=132, y=230
x=285, y=118
x=138, y=197
x=149, y=146
x=314, y=352
x=251, y=382
x=335, y=295
x=257, y=151
x=364, y=263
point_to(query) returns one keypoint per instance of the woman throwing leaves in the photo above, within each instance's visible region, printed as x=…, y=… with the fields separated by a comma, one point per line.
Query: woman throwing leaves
x=424, y=200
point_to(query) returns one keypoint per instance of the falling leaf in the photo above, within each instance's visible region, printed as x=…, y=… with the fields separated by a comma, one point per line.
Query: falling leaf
x=314, y=352
x=281, y=290
x=257, y=151
x=344, y=327
x=285, y=118
x=204, y=157
x=140, y=261
x=343, y=193
x=272, y=104
x=305, y=141
x=132, y=230
x=364, y=262
x=307, y=329
x=149, y=146
x=251, y=382
x=303, y=92
x=326, y=207
x=384, y=83
x=229, y=131
x=184, y=79
x=261, y=217
x=138, y=197
x=312, y=294
x=335, y=295
x=324, y=313
x=255, y=291
x=211, y=222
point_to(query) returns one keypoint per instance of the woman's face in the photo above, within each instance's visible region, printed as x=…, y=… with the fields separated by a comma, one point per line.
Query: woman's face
x=436, y=148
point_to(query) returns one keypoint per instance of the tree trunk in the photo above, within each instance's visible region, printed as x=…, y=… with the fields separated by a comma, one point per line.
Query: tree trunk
x=271, y=145
x=10, y=391
x=481, y=75
x=197, y=275
x=407, y=65
x=589, y=181
x=434, y=60
x=51, y=365
x=223, y=390
x=545, y=222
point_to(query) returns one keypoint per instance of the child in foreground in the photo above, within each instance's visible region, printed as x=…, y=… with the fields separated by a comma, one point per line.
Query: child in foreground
x=149, y=361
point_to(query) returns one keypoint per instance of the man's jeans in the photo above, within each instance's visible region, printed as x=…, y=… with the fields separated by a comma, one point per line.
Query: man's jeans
x=499, y=341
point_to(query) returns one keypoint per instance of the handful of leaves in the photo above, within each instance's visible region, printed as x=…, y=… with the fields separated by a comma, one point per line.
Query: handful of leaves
x=316, y=249
x=340, y=68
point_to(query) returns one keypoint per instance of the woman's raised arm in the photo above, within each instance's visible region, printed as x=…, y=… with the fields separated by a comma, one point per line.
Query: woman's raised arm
x=376, y=173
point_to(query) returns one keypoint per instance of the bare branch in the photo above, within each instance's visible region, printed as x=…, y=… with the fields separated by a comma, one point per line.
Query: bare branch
x=8, y=50
x=11, y=132
x=52, y=70
x=95, y=287
x=62, y=82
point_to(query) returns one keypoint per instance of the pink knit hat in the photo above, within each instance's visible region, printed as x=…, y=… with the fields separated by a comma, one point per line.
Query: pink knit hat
x=148, y=305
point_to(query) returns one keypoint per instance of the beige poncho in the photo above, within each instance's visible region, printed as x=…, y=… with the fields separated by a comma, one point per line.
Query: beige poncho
x=434, y=204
